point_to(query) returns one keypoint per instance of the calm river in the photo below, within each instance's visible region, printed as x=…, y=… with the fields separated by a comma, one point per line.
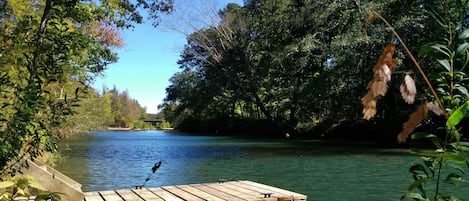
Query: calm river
x=321, y=170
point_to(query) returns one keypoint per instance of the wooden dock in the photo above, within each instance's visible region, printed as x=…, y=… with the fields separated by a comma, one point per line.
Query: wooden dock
x=221, y=191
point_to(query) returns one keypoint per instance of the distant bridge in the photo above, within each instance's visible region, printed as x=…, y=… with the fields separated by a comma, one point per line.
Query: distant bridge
x=153, y=121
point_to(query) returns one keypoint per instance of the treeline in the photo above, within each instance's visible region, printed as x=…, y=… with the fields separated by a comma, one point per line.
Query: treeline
x=100, y=110
x=301, y=67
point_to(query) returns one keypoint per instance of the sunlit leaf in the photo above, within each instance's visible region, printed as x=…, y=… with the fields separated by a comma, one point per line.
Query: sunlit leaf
x=458, y=115
x=6, y=184
x=36, y=185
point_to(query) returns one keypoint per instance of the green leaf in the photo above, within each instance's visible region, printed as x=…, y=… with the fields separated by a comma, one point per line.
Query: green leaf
x=416, y=168
x=455, y=157
x=418, y=183
x=6, y=184
x=462, y=48
x=464, y=35
x=52, y=196
x=442, y=48
x=36, y=185
x=453, y=178
x=458, y=115
x=413, y=196
x=445, y=63
x=417, y=136
x=464, y=146
x=462, y=89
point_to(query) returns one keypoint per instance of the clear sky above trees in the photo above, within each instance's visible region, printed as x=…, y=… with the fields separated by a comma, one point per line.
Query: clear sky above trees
x=150, y=54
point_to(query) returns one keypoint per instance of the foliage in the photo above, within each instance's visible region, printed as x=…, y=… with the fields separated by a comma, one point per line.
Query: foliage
x=446, y=164
x=92, y=112
x=46, y=45
x=288, y=62
x=21, y=186
x=125, y=110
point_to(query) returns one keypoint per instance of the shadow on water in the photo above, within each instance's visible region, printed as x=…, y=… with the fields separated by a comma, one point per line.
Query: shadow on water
x=323, y=170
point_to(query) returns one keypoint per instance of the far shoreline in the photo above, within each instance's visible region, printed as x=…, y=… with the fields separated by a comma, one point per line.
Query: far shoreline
x=133, y=129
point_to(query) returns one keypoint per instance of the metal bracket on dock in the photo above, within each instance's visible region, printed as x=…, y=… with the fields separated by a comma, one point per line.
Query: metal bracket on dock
x=220, y=181
x=267, y=195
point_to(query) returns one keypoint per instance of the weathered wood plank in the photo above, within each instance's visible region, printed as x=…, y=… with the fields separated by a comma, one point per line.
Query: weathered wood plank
x=227, y=191
x=165, y=194
x=110, y=196
x=259, y=190
x=127, y=194
x=275, y=189
x=147, y=195
x=217, y=193
x=248, y=191
x=181, y=193
x=93, y=196
x=221, y=187
x=200, y=193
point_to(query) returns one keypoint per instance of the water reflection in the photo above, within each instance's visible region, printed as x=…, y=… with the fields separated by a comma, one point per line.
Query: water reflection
x=116, y=160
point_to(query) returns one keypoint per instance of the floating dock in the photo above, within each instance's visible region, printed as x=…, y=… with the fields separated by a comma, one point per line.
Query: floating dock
x=221, y=191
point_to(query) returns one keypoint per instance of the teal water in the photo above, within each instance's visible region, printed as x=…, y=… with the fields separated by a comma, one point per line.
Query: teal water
x=321, y=170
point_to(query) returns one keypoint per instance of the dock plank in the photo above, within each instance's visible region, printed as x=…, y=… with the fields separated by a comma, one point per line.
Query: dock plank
x=93, y=196
x=227, y=191
x=217, y=193
x=147, y=195
x=181, y=193
x=200, y=193
x=249, y=191
x=260, y=190
x=275, y=189
x=127, y=194
x=110, y=196
x=222, y=188
x=165, y=194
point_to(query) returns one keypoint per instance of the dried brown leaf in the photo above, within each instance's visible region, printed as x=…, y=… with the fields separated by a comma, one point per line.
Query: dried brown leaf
x=386, y=58
x=371, y=16
x=383, y=74
x=369, y=105
x=408, y=90
x=414, y=119
x=435, y=109
x=378, y=86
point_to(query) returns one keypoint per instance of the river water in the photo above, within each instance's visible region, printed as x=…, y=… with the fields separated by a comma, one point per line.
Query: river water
x=321, y=170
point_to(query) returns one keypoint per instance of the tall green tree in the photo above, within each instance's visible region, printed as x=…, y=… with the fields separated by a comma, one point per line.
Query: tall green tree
x=47, y=43
x=125, y=110
x=296, y=63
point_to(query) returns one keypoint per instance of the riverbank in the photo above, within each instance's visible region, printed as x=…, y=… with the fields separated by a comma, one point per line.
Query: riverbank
x=134, y=129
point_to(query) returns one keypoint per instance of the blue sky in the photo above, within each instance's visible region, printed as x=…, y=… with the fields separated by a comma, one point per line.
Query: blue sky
x=149, y=57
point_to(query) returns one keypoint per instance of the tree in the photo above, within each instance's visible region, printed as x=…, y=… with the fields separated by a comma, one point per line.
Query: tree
x=125, y=110
x=46, y=43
